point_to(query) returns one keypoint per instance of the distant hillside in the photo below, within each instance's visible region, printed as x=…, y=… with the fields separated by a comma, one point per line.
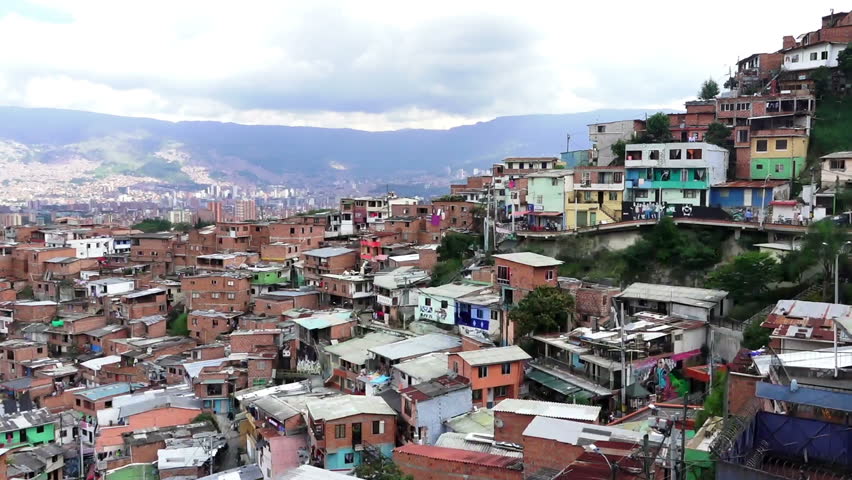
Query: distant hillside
x=145, y=147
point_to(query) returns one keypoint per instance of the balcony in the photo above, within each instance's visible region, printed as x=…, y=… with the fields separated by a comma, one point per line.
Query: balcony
x=387, y=301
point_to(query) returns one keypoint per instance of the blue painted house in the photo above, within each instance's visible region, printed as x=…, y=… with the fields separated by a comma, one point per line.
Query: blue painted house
x=480, y=311
x=748, y=193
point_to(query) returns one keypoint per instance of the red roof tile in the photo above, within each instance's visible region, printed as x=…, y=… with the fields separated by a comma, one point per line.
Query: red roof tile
x=460, y=456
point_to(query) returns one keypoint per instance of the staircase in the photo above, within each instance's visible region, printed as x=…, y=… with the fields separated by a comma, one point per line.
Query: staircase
x=614, y=215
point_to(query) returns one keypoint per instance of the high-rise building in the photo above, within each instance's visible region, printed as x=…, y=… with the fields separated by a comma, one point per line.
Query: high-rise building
x=216, y=209
x=245, y=210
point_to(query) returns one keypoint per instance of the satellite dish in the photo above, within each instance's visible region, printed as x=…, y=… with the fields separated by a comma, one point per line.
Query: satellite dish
x=498, y=422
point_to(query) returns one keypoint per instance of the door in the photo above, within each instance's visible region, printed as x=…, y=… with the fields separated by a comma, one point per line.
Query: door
x=581, y=219
x=490, y=403
x=593, y=218
x=356, y=434
x=600, y=198
x=747, y=197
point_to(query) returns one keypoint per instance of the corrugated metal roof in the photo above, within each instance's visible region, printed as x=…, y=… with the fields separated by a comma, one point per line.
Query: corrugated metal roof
x=579, y=433
x=431, y=342
x=307, y=472
x=346, y=406
x=699, y=297
x=475, y=443
x=549, y=409
x=109, y=390
x=490, y=356
x=328, y=252
x=477, y=421
x=461, y=456
x=426, y=367
x=325, y=321
x=355, y=350
x=530, y=258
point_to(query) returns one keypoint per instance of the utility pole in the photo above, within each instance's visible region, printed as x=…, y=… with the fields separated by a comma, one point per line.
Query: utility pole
x=683, y=438
x=623, y=366
x=646, y=467
x=82, y=465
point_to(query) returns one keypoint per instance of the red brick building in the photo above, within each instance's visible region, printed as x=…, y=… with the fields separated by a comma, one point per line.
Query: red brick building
x=693, y=125
x=15, y=353
x=427, y=462
x=207, y=325
x=322, y=261
x=518, y=274
x=512, y=416
x=156, y=249
x=223, y=292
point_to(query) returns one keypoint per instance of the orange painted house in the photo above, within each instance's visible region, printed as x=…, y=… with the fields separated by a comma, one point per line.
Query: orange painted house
x=494, y=373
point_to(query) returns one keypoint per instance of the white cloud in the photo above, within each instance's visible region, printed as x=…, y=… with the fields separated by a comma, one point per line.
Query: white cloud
x=377, y=65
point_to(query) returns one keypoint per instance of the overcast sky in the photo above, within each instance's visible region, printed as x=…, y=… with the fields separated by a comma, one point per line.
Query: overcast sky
x=377, y=65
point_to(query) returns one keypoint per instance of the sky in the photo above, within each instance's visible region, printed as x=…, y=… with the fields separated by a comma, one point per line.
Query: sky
x=375, y=64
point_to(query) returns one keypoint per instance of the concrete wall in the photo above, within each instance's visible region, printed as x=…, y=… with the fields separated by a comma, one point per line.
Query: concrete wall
x=432, y=413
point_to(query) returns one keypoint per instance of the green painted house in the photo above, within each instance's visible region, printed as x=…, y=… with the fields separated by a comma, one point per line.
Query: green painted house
x=36, y=427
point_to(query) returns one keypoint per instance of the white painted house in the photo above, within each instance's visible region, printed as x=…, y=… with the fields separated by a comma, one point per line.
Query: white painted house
x=808, y=57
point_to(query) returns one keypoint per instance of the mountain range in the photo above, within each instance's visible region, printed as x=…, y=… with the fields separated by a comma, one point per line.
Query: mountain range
x=130, y=146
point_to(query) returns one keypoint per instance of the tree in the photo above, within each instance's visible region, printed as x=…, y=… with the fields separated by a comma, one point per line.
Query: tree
x=756, y=337
x=380, y=468
x=844, y=61
x=153, y=225
x=183, y=227
x=658, y=127
x=746, y=276
x=823, y=242
x=822, y=80
x=445, y=271
x=718, y=134
x=457, y=245
x=731, y=83
x=709, y=90
x=545, y=309
x=201, y=224
x=714, y=404
x=618, y=148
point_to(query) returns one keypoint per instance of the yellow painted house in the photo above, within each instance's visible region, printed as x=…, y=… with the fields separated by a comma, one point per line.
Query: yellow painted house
x=778, y=154
x=596, y=198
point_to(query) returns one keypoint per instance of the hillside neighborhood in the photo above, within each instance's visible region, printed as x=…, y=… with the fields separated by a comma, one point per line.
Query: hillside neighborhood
x=668, y=304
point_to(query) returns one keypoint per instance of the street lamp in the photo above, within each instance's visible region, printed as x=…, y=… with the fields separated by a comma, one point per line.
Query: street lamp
x=592, y=448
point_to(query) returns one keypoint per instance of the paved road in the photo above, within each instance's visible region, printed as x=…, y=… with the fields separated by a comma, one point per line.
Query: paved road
x=230, y=458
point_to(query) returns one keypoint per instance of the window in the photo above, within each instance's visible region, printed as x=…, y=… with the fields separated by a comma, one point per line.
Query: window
x=477, y=395
x=349, y=458
x=444, y=304
x=548, y=275
x=601, y=128
x=506, y=368
x=477, y=313
x=654, y=154
x=340, y=431
x=232, y=296
x=455, y=367
x=813, y=56
x=554, y=182
x=503, y=274
x=493, y=314
x=613, y=196
x=742, y=136
x=427, y=302
x=684, y=175
x=794, y=58
x=674, y=154
x=617, y=177
x=214, y=295
x=780, y=144
x=483, y=372
x=762, y=146
x=378, y=427
x=501, y=392
x=40, y=429
x=837, y=164
x=694, y=154
x=743, y=106
x=779, y=168
x=690, y=194
x=641, y=194
x=587, y=196
x=108, y=404
x=759, y=166
x=824, y=55
x=230, y=283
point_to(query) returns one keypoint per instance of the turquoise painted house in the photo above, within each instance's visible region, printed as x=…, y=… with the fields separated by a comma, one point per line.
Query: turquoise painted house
x=33, y=428
x=346, y=428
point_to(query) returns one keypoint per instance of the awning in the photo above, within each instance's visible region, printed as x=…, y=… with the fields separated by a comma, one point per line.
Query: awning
x=545, y=214
x=636, y=390
x=560, y=386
